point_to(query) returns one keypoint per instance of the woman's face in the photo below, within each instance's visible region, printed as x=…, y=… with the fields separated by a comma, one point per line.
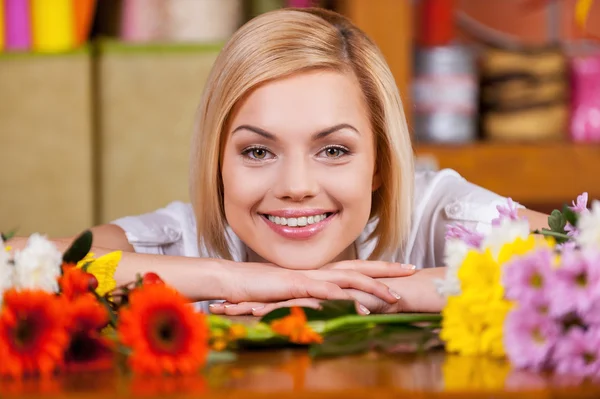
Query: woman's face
x=299, y=169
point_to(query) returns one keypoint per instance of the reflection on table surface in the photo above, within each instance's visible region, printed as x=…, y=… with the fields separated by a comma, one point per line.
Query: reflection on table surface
x=292, y=373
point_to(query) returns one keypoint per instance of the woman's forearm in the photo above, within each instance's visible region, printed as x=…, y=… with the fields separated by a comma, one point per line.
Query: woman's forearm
x=196, y=278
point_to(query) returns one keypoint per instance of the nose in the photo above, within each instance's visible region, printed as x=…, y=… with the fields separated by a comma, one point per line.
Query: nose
x=297, y=181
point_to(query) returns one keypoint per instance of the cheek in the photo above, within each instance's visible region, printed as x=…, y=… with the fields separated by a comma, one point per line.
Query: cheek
x=351, y=186
x=242, y=186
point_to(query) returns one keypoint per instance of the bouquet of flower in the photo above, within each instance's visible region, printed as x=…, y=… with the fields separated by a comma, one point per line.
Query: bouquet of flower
x=66, y=312
x=532, y=296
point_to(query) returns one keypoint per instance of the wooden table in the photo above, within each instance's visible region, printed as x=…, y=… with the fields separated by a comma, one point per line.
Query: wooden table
x=291, y=373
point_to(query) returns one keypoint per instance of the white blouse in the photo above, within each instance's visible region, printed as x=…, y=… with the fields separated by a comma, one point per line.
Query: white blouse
x=441, y=198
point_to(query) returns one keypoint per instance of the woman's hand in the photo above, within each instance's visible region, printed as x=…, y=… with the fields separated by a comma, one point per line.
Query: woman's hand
x=342, y=280
x=418, y=295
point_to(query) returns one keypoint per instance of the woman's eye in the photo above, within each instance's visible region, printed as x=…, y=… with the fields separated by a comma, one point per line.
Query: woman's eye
x=259, y=153
x=256, y=153
x=334, y=152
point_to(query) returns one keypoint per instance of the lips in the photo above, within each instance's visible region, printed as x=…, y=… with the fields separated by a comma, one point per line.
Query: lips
x=298, y=227
x=298, y=221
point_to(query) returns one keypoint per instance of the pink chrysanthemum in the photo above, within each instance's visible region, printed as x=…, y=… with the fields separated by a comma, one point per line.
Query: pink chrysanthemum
x=578, y=353
x=577, y=283
x=529, y=338
x=581, y=205
x=506, y=212
x=470, y=237
x=528, y=278
x=571, y=230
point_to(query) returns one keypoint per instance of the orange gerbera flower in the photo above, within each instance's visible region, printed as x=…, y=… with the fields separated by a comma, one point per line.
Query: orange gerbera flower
x=163, y=331
x=296, y=328
x=88, y=349
x=75, y=282
x=33, y=337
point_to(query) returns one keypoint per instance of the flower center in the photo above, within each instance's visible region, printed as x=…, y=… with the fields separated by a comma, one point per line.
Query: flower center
x=537, y=336
x=581, y=279
x=589, y=358
x=536, y=281
x=166, y=332
x=25, y=334
x=167, y=335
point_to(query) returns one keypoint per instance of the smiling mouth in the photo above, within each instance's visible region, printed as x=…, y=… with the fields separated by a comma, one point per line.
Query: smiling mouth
x=301, y=221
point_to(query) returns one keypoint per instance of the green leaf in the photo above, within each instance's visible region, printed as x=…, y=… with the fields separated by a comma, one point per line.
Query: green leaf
x=570, y=215
x=557, y=221
x=79, y=249
x=111, y=314
x=9, y=235
x=86, y=266
x=329, y=310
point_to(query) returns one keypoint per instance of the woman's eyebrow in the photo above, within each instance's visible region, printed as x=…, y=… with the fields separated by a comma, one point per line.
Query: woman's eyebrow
x=333, y=129
x=317, y=136
x=256, y=130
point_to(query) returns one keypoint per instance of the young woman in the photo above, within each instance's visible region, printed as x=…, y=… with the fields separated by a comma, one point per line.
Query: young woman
x=302, y=182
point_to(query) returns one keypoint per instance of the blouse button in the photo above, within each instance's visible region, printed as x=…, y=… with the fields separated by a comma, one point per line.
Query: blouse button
x=453, y=210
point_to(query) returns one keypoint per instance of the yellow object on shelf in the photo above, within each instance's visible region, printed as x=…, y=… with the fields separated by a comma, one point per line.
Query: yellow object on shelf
x=1, y=25
x=53, y=25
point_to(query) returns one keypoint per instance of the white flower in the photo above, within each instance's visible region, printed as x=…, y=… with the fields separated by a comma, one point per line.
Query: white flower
x=508, y=231
x=589, y=227
x=38, y=265
x=455, y=252
x=6, y=270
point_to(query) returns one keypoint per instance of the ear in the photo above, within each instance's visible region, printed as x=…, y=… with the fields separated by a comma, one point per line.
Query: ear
x=376, y=180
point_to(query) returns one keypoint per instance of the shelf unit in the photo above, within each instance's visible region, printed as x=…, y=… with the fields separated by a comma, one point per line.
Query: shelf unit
x=540, y=175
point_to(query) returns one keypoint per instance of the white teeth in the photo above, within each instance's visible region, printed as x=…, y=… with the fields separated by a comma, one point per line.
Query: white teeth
x=300, y=222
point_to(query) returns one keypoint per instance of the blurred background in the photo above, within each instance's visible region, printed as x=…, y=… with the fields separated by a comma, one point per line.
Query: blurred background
x=98, y=97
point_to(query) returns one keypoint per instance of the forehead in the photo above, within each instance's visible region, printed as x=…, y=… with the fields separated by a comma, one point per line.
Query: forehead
x=304, y=102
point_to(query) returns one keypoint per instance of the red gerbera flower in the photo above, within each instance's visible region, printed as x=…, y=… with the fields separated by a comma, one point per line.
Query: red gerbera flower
x=163, y=331
x=33, y=337
x=75, y=282
x=88, y=349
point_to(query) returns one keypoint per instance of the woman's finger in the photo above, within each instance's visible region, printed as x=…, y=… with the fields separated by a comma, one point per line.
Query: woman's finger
x=302, y=286
x=356, y=280
x=374, y=269
x=301, y=302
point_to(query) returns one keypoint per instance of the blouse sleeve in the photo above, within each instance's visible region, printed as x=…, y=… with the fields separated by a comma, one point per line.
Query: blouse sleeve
x=166, y=231
x=444, y=198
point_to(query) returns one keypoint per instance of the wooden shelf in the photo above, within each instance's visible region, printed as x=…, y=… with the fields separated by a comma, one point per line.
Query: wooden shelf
x=533, y=174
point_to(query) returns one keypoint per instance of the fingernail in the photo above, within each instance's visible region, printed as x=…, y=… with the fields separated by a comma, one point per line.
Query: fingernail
x=256, y=309
x=215, y=305
x=231, y=305
x=363, y=309
x=408, y=267
x=395, y=294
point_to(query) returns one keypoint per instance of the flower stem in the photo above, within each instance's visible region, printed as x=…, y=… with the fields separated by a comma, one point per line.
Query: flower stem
x=552, y=233
x=375, y=319
x=111, y=314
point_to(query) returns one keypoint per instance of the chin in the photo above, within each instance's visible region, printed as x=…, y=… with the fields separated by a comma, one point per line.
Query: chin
x=300, y=259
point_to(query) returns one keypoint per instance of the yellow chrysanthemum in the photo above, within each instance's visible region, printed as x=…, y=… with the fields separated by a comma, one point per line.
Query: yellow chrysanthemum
x=103, y=268
x=473, y=326
x=479, y=276
x=519, y=247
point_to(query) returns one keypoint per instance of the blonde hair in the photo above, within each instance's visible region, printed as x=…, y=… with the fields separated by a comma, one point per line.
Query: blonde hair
x=285, y=42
